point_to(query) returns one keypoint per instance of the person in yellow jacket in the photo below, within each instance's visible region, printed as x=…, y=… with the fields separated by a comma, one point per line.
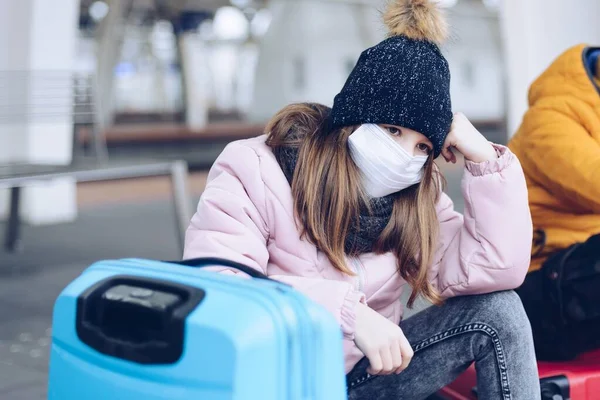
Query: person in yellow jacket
x=558, y=144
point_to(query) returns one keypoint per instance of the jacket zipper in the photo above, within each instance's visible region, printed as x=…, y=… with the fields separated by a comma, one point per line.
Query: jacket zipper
x=359, y=272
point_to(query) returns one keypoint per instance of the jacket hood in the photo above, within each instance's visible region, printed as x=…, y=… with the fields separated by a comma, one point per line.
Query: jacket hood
x=568, y=75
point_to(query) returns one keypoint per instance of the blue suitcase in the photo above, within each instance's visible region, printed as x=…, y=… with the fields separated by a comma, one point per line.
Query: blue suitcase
x=138, y=329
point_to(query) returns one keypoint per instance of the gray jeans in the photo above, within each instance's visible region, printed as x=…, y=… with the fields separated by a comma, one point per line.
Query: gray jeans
x=491, y=330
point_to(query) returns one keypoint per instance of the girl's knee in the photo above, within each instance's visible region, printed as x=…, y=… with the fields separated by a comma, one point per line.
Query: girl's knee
x=504, y=313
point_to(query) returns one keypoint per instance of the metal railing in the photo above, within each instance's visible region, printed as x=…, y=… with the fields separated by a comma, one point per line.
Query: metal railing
x=39, y=98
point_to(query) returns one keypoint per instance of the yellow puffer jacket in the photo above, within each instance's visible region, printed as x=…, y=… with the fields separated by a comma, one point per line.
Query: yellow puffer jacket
x=558, y=145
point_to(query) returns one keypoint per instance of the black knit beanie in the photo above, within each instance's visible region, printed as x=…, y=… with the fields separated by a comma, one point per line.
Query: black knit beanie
x=405, y=79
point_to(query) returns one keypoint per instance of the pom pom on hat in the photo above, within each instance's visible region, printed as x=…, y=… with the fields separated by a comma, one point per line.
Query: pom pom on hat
x=416, y=19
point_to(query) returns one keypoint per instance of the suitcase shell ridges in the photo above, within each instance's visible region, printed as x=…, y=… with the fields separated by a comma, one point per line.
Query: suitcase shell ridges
x=247, y=339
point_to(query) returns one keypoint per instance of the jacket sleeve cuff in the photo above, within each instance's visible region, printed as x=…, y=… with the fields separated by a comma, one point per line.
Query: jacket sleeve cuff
x=504, y=160
x=348, y=312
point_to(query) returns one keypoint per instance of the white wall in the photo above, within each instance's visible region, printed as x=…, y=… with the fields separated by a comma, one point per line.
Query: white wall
x=145, y=78
x=474, y=55
x=308, y=52
x=196, y=77
x=535, y=32
x=37, y=43
x=329, y=37
x=13, y=138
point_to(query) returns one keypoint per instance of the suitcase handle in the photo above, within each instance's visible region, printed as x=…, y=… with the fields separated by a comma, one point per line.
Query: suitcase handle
x=221, y=262
x=136, y=318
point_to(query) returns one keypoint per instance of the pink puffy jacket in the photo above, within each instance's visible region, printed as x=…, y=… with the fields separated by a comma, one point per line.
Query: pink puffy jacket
x=246, y=214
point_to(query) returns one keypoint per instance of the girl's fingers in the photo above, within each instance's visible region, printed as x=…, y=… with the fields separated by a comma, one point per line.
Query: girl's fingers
x=448, y=155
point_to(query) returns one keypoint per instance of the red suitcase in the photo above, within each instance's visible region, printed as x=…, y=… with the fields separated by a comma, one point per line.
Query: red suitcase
x=574, y=380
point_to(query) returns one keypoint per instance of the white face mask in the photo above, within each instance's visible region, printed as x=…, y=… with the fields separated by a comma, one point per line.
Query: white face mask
x=385, y=166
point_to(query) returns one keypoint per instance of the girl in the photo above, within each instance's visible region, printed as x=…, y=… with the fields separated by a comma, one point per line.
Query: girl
x=345, y=204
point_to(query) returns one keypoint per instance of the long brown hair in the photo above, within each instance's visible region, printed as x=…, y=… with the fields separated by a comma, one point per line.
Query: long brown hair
x=326, y=188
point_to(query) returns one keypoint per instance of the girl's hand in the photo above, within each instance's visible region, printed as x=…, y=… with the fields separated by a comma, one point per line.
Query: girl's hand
x=381, y=341
x=467, y=140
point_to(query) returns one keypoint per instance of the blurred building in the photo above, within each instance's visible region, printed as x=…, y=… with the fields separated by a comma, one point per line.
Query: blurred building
x=179, y=79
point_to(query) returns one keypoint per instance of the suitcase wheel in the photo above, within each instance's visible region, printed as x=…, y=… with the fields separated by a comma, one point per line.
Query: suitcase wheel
x=555, y=388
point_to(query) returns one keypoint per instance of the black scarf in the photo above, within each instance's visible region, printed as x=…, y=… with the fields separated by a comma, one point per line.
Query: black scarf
x=371, y=223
